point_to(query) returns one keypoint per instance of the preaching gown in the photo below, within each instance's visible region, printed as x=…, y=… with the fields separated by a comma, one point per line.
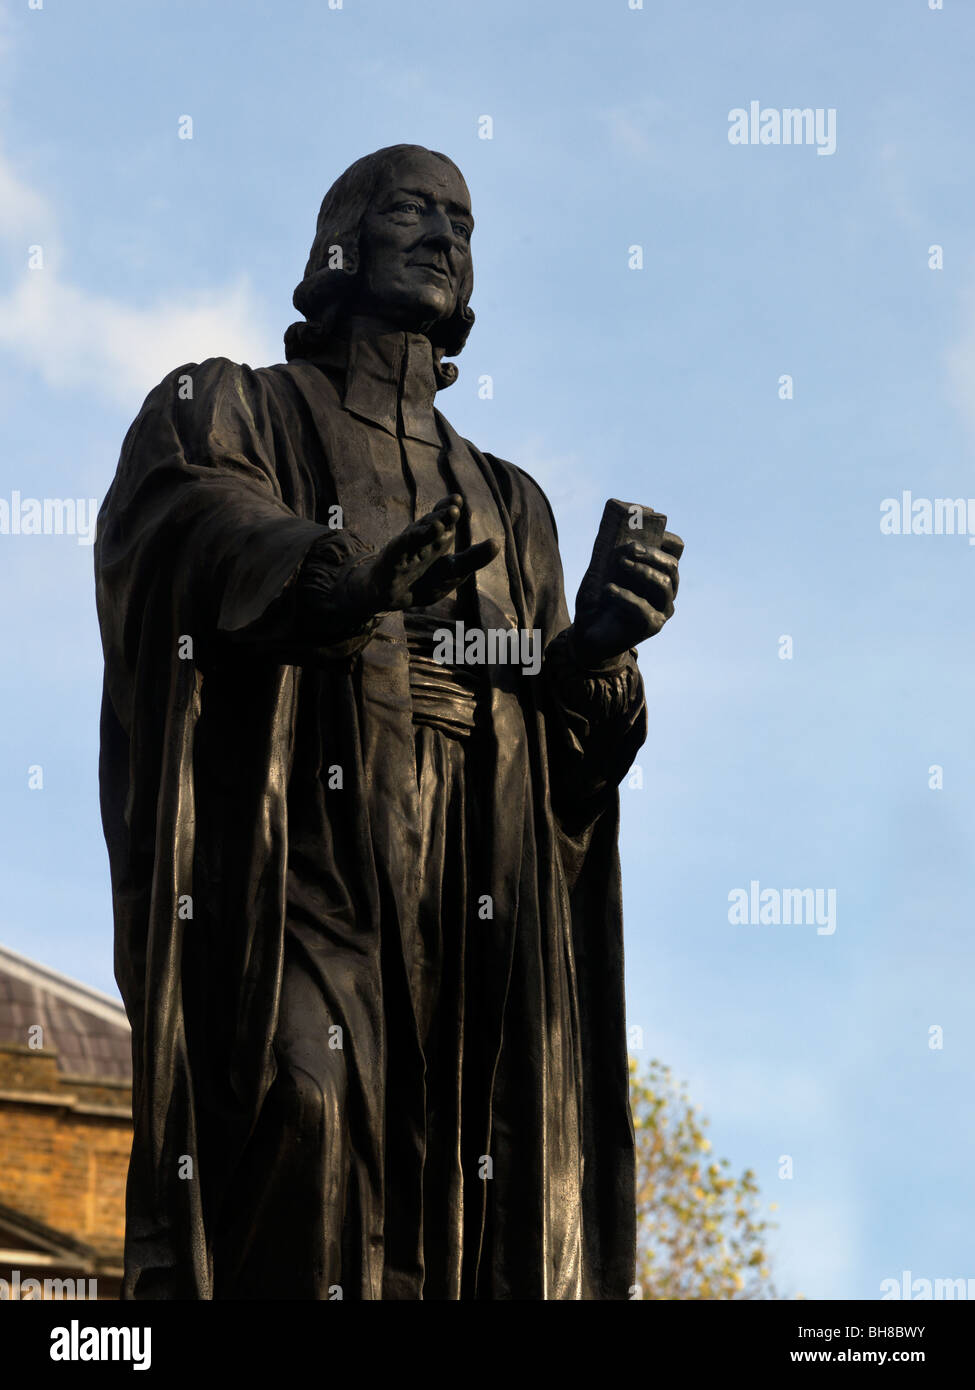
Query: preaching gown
x=391, y=1033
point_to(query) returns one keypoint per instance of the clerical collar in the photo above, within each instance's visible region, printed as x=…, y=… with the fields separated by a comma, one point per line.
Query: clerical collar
x=389, y=380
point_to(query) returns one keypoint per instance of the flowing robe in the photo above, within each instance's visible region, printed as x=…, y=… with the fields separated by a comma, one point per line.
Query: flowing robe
x=260, y=901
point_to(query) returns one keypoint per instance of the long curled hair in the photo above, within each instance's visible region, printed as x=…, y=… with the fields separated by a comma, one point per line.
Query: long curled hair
x=327, y=292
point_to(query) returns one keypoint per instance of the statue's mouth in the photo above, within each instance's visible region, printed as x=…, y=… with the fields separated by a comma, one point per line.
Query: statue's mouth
x=428, y=265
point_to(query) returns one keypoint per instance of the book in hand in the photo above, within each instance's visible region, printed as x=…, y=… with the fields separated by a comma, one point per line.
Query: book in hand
x=621, y=522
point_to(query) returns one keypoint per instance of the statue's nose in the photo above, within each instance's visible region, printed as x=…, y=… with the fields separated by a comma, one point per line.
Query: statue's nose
x=440, y=232
x=438, y=241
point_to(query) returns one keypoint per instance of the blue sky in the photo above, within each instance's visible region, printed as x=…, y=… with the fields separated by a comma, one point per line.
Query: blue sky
x=658, y=385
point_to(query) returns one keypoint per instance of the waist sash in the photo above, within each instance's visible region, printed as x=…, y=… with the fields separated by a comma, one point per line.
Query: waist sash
x=443, y=696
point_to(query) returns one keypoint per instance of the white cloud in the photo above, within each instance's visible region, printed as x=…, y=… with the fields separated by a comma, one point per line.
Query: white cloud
x=78, y=340
x=22, y=210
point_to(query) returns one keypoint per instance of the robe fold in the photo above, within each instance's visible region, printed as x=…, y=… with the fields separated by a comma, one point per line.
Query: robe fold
x=227, y=858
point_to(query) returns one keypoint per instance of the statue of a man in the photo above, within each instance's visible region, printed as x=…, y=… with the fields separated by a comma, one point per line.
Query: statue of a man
x=367, y=901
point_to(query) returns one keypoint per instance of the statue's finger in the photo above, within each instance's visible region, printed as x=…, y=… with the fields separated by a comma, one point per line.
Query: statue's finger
x=651, y=562
x=475, y=557
x=452, y=503
x=429, y=530
x=646, y=554
x=436, y=549
x=648, y=579
x=637, y=603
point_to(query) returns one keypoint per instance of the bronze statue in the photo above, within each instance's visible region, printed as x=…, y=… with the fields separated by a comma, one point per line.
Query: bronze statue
x=362, y=834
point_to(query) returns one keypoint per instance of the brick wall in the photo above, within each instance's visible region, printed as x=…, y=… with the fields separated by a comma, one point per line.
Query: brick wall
x=64, y=1149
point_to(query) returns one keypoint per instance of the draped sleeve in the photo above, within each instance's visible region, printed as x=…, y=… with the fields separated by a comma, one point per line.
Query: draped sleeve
x=195, y=521
x=197, y=551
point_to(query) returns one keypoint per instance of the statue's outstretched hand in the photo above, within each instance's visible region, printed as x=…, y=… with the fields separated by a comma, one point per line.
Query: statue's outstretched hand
x=632, y=605
x=414, y=569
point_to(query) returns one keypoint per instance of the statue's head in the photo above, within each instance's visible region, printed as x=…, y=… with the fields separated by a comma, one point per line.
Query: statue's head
x=392, y=243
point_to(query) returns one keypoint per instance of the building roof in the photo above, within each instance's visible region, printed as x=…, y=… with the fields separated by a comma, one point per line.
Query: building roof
x=88, y=1029
x=24, y=1237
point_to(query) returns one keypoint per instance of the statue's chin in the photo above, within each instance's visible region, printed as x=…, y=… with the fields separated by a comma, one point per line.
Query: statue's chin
x=412, y=317
x=427, y=305
x=421, y=317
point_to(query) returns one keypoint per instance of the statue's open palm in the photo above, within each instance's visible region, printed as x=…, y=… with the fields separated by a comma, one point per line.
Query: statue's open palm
x=416, y=568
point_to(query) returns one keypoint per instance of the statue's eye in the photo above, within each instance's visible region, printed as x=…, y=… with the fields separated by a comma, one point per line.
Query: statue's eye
x=462, y=229
x=408, y=207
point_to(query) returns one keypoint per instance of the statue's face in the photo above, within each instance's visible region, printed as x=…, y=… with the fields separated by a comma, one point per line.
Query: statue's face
x=415, y=244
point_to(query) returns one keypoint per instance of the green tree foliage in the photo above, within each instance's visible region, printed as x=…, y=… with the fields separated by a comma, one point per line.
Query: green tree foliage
x=700, y=1232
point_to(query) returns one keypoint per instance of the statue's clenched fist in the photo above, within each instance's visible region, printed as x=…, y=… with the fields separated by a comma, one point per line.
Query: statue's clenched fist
x=632, y=604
